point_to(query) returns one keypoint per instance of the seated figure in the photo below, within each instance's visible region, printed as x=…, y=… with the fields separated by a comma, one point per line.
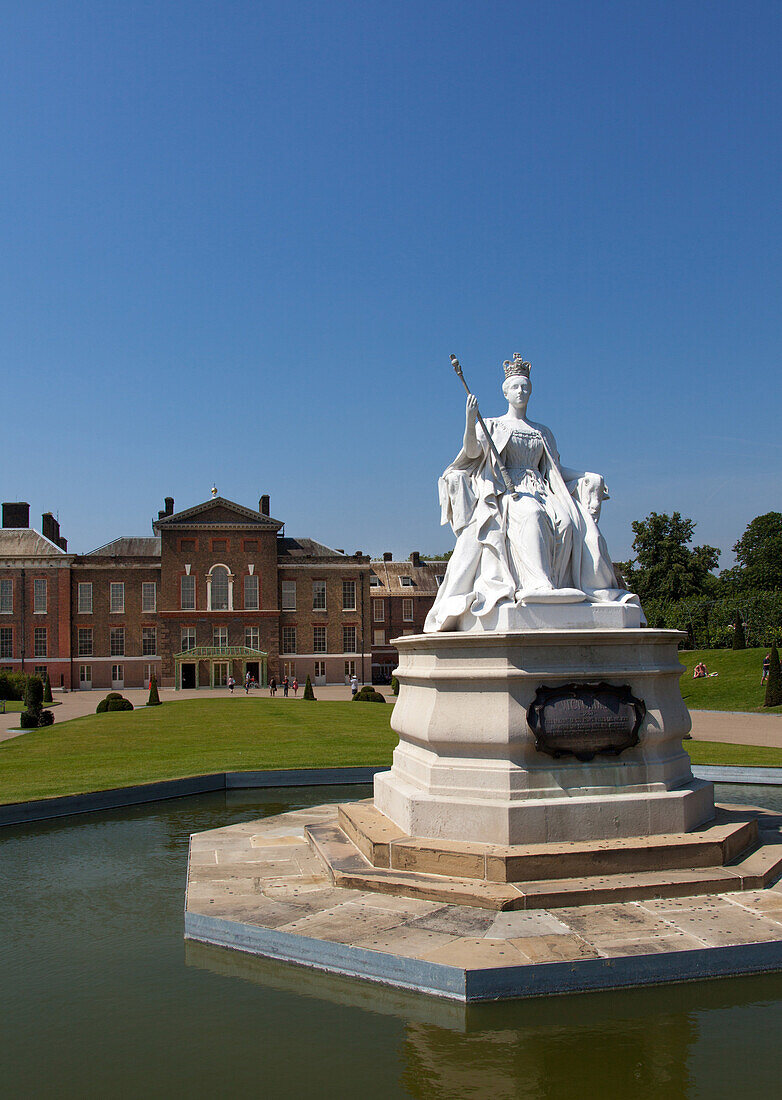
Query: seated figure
x=526, y=526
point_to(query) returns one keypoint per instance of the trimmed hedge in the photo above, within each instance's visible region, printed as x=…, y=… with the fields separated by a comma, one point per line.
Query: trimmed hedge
x=12, y=685
x=368, y=695
x=308, y=692
x=154, y=698
x=113, y=701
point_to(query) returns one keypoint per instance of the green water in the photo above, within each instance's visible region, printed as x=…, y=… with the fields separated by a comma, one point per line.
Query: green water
x=101, y=997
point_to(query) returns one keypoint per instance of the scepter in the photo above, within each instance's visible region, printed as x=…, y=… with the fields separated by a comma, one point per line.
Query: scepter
x=505, y=476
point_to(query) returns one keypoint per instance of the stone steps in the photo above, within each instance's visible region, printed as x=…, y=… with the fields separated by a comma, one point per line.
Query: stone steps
x=384, y=845
x=348, y=867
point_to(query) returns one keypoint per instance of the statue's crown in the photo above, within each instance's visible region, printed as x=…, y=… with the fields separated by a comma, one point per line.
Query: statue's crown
x=516, y=365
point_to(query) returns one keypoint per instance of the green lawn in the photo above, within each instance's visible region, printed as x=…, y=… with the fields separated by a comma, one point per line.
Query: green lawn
x=737, y=687
x=196, y=737
x=15, y=706
x=192, y=737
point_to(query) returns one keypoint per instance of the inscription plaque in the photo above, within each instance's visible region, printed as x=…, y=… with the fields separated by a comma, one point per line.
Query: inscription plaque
x=583, y=720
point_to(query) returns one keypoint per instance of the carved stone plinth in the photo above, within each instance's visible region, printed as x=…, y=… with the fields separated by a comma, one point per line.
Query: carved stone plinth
x=467, y=767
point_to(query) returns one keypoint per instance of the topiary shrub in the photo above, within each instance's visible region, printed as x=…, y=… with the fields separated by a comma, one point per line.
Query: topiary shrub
x=119, y=704
x=394, y=685
x=368, y=695
x=102, y=706
x=114, y=695
x=28, y=721
x=774, y=682
x=47, y=690
x=739, y=639
x=308, y=692
x=154, y=698
x=33, y=695
x=12, y=685
x=46, y=719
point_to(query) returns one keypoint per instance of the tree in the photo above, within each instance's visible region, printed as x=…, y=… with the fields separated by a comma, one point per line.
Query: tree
x=774, y=682
x=665, y=566
x=308, y=692
x=438, y=557
x=47, y=689
x=759, y=553
x=739, y=640
x=33, y=703
x=154, y=698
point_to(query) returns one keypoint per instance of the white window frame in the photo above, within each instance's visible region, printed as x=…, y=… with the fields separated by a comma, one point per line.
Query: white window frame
x=188, y=581
x=345, y=639
x=147, y=604
x=317, y=645
x=117, y=600
x=378, y=611
x=318, y=595
x=347, y=586
x=407, y=610
x=288, y=596
x=379, y=636
x=40, y=641
x=85, y=598
x=84, y=636
x=6, y=642
x=230, y=577
x=405, y=581
x=85, y=677
x=145, y=641
x=439, y=578
x=191, y=633
x=375, y=581
x=6, y=596
x=219, y=636
x=114, y=633
x=252, y=637
x=117, y=676
x=251, y=582
x=285, y=645
x=40, y=595
x=350, y=670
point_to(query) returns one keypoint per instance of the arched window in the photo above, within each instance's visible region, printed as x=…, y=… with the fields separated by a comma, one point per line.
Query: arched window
x=219, y=587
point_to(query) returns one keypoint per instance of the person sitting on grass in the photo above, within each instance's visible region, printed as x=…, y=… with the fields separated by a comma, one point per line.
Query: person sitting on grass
x=699, y=671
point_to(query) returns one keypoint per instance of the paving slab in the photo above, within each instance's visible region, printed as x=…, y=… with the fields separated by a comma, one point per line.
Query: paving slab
x=274, y=898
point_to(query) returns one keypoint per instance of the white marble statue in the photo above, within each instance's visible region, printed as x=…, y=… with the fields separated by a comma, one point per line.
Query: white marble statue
x=526, y=527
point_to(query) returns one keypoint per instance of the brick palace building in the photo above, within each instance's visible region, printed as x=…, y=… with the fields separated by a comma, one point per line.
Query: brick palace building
x=218, y=590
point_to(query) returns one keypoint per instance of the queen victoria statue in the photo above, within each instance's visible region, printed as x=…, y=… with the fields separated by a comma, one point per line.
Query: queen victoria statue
x=529, y=553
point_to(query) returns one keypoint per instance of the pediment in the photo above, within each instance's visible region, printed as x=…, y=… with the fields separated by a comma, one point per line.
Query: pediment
x=218, y=512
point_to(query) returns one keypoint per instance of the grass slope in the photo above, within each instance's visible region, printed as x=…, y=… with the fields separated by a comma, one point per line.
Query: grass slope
x=737, y=687
x=192, y=737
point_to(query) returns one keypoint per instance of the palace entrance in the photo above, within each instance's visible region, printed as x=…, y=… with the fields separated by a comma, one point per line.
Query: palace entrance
x=210, y=666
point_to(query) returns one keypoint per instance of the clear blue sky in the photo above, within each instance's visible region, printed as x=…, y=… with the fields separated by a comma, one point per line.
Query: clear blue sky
x=240, y=239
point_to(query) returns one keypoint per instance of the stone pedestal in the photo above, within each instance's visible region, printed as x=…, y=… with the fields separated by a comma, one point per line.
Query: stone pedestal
x=467, y=766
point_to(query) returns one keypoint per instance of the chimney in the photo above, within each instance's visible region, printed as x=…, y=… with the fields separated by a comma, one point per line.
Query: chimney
x=264, y=504
x=63, y=544
x=16, y=514
x=415, y=558
x=339, y=550
x=359, y=554
x=50, y=528
x=388, y=556
x=169, y=503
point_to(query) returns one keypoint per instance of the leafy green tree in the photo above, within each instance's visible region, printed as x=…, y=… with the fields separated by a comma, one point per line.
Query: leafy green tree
x=739, y=640
x=774, y=682
x=759, y=553
x=438, y=557
x=665, y=566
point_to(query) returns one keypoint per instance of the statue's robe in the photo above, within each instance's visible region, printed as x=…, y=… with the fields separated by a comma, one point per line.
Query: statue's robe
x=474, y=500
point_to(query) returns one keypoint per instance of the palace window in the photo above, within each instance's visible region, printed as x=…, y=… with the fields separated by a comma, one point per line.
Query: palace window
x=378, y=611
x=6, y=641
x=318, y=595
x=348, y=639
x=289, y=639
x=187, y=593
x=289, y=595
x=318, y=639
x=187, y=638
x=85, y=598
x=39, y=596
x=148, y=596
x=250, y=593
x=406, y=582
x=379, y=637
x=407, y=611
x=40, y=670
x=348, y=595
x=219, y=589
x=84, y=641
x=350, y=669
x=148, y=641
x=439, y=577
x=375, y=581
x=6, y=597
x=220, y=636
x=39, y=642
x=252, y=637
x=117, y=597
x=117, y=641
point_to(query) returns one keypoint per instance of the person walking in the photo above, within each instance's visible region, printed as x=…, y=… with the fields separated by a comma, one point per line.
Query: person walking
x=247, y=682
x=353, y=685
x=272, y=686
x=231, y=684
x=295, y=686
x=285, y=687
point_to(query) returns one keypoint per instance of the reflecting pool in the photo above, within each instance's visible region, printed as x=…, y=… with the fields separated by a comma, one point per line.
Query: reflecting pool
x=101, y=997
